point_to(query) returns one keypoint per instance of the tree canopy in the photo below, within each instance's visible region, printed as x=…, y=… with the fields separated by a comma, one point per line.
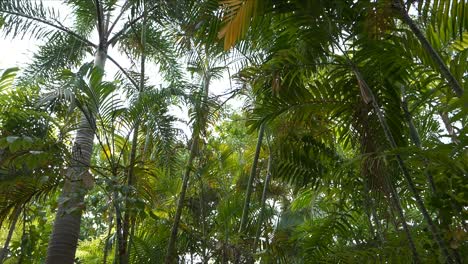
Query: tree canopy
x=246, y=131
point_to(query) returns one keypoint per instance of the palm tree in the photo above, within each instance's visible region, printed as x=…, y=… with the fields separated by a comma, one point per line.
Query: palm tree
x=29, y=149
x=443, y=7
x=27, y=17
x=238, y=17
x=204, y=66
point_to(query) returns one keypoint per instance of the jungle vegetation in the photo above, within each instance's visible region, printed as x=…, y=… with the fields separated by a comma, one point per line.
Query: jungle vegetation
x=349, y=146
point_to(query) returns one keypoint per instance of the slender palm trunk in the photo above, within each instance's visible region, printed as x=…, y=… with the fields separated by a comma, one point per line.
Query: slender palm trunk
x=452, y=81
x=123, y=246
x=23, y=236
x=4, y=250
x=371, y=212
x=66, y=229
x=171, y=254
x=106, y=242
x=397, y=203
x=129, y=219
x=419, y=202
x=414, y=136
x=118, y=229
x=253, y=172
x=204, y=246
x=262, y=208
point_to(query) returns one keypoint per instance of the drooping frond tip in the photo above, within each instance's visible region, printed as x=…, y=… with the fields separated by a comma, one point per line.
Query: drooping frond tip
x=237, y=16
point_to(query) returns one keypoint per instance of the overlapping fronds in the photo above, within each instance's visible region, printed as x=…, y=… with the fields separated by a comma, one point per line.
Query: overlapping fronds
x=237, y=16
x=24, y=17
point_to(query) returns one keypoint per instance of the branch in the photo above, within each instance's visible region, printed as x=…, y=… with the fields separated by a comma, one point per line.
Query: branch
x=122, y=11
x=61, y=28
x=126, y=27
x=123, y=71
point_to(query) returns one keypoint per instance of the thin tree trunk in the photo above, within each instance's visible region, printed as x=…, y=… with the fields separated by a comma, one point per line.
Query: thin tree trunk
x=171, y=254
x=65, y=233
x=171, y=250
x=397, y=203
x=23, y=235
x=106, y=244
x=419, y=202
x=372, y=213
x=123, y=251
x=253, y=172
x=131, y=236
x=118, y=230
x=4, y=250
x=129, y=218
x=266, y=184
x=203, y=222
x=414, y=136
x=452, y=81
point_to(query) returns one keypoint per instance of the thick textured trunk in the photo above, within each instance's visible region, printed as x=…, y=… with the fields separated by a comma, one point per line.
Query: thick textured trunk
x=253, y=172
x=452, y=81
x=4, y=250
x=64, y=238
x=412, y=187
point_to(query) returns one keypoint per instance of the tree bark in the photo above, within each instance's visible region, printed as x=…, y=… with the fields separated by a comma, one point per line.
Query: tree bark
x=66, y=228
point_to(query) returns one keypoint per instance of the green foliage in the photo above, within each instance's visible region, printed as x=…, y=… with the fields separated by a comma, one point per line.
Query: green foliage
x=337, y=192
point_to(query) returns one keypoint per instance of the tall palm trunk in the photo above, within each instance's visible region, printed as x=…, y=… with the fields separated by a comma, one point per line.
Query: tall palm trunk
x=123, y=245
x=106, y=241
x=266, y=184
x=124, y=254
x=4, y=250
x=253, y=172
x=414, y=136
x=66, y=229
x=204, y=246
x=419, y=202
x=171, y=254
x=452, y=81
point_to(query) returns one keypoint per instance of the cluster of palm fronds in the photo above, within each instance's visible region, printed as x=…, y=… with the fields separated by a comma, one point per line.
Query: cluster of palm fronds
x=359, y=107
